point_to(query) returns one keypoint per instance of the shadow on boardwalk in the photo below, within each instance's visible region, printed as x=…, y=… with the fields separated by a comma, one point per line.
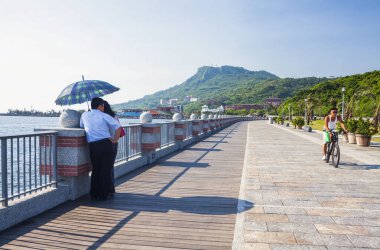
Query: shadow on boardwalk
x=101, y=222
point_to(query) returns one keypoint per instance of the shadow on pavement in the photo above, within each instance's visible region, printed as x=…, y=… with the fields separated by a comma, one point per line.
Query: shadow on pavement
x=355, y=166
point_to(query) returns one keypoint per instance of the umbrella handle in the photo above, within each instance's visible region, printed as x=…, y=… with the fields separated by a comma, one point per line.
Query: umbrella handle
x=88, y=107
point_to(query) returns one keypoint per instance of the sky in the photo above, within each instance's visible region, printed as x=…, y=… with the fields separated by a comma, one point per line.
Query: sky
x=144, y=46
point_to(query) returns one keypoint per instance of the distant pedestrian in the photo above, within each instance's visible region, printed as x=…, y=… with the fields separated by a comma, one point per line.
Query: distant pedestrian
x=108, y=110
x=98, y=126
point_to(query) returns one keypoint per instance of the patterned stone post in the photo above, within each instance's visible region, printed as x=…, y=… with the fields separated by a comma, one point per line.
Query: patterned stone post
x=205, y=126
x=217, y=123
x=73, y=160
x=197, y=128
x=180, y=129
x=150, y=140
x=212, y=124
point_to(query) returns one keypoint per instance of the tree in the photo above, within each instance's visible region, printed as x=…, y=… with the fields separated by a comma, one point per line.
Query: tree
x=191, y=108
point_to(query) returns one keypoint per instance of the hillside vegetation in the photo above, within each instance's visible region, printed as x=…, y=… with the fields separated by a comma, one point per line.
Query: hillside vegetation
x=362, y=96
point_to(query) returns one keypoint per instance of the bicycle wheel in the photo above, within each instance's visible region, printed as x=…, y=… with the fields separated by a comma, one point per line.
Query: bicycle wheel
x=335, y=153
x=328, y=153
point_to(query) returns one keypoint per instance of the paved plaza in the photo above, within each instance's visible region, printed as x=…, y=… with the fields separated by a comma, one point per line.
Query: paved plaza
x=300, y=202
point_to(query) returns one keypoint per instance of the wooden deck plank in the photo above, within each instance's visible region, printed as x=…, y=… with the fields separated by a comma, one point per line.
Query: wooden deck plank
x=185, y=201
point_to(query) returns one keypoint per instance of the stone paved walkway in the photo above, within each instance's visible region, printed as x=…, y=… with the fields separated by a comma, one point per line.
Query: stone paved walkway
x=300, y=202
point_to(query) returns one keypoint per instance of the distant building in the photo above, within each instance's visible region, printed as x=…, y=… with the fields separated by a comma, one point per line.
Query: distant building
x=275, y=102
x=205, y=109
x=179, y=108
x=131, y=113
x=173, y=101
x=187, y=98
x=190, y=98
x=166, y=109
x=164, y=102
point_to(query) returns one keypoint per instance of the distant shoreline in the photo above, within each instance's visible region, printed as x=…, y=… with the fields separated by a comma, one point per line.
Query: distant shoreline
x=5, y=114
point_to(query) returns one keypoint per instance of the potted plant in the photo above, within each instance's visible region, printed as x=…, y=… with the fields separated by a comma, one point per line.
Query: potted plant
x=280, y=120
x=275, y=119
x=351, y=125
x=340, y=129
x=298, y=122
x=364, y=132
x=294, y=122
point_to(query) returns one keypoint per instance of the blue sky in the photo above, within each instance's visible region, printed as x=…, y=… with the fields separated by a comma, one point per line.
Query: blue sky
x=146, y=46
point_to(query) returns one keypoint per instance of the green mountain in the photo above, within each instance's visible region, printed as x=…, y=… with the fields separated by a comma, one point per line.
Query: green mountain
x=206, y=84
x=257, y=93
x=362, y=96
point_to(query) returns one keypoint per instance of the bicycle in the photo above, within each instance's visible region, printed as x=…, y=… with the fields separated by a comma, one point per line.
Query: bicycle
x=333, y=149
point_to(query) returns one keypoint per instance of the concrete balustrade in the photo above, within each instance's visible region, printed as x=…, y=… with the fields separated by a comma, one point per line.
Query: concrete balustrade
x=212, y=124
x=150, y=137
x=217, y=123
x=180, y=129
x=197, y=128
x=206, y=126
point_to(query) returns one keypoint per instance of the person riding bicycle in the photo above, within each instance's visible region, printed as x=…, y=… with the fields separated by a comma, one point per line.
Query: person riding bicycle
x=330, y=124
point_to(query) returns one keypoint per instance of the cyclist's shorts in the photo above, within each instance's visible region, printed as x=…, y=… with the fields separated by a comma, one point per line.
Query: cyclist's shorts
x=326, y=137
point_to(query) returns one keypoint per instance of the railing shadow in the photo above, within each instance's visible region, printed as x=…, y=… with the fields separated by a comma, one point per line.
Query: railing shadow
x=204, y=149
x=184, y=164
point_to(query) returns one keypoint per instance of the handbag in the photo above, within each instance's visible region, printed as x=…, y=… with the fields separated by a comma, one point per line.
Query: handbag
x=122, y=132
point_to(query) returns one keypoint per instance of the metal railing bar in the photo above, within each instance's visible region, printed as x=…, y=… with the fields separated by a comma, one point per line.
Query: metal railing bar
x=28, y=134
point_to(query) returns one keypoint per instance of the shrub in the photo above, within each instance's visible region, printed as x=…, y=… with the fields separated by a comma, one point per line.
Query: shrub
x=298, y=121
x=338, y=127
x=280, y=119
x=352, y=125
x=365, y=127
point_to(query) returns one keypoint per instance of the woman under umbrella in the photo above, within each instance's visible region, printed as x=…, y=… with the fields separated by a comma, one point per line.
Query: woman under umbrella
x=108, y=110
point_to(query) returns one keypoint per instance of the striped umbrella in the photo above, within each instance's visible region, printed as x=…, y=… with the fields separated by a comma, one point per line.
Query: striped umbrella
x=84, y=91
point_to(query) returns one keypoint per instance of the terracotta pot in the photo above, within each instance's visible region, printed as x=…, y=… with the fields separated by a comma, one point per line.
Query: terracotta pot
x=345, y=138
x=351, y=138
x=363, y=140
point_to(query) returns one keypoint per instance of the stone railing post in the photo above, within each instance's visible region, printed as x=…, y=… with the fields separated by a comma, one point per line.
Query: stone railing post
x=205, y=126
x=212, y=124
x=150, y=140
x=73, y=161
x=180, y=128
x=217, y=124
x=197, y=128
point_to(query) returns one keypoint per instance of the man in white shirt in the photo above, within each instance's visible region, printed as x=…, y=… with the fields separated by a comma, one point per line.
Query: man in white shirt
x=97, y=126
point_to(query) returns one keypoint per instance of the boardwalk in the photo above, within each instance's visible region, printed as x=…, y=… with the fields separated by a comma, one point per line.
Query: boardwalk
x=188, y=200
x=251, y=186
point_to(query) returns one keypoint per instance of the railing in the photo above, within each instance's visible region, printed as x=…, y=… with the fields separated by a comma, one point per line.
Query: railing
x=28, y=164
x=167, y=134
x=130, y=144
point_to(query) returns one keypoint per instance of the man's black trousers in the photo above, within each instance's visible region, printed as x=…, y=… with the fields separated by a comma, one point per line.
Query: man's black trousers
x=102, y=160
